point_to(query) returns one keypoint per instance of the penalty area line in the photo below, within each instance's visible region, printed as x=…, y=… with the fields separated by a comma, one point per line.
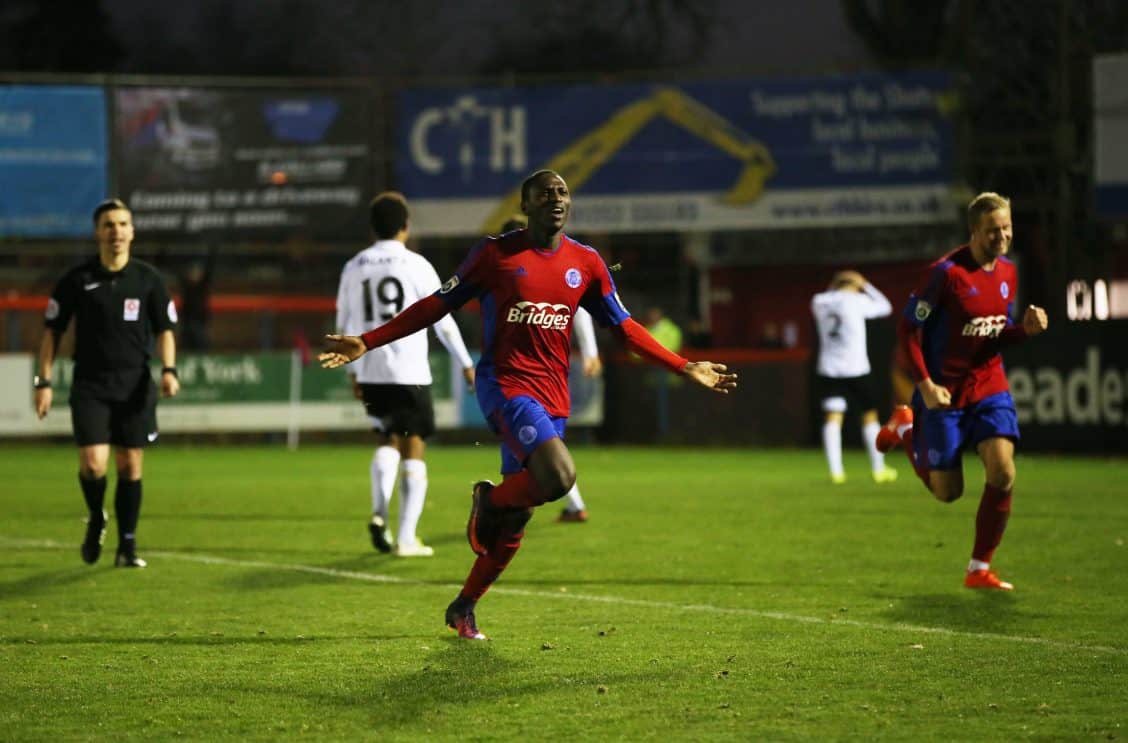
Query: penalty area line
x=204, y=559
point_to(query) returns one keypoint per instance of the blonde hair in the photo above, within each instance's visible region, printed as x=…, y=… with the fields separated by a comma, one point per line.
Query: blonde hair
x=848, y=279
x=985, y=203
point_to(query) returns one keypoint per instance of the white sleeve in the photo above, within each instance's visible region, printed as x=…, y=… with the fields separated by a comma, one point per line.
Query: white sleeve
x=446, y=330
x=342, y=303
x=879, y=305
x=584, y=329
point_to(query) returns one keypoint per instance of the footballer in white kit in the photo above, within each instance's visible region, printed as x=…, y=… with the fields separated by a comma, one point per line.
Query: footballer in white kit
x=843, y=368
x=394, y=381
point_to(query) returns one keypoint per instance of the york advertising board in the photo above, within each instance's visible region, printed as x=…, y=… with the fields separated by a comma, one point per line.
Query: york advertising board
x=274, y=391
x=859, y=150
x=52, y=159
x=244, y=163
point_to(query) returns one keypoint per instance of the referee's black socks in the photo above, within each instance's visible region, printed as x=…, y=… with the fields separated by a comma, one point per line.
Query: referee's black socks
x=94, y=491
x=127, y=505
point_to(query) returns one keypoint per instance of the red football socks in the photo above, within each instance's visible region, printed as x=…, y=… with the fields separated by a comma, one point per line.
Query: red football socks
x=990, y=522
x=488, y=567
x=918, y=467
x=516, y=491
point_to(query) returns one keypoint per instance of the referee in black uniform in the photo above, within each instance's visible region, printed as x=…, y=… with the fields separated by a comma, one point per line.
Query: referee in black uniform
x=119, y=306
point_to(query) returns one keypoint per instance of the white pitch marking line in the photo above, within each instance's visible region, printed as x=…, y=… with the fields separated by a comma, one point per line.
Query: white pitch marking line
x=617, y=600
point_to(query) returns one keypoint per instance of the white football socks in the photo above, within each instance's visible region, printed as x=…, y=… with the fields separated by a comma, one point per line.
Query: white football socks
x=385, y=467
x=413, y=492
x=573, y=500
x=832, y=445
x=869, y=435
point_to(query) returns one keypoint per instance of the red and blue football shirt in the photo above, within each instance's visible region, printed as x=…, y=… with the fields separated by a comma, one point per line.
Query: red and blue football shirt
x=964, y=314
x=528, y=298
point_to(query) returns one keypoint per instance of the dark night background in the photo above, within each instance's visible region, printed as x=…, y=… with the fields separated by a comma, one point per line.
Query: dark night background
x=1022, y=113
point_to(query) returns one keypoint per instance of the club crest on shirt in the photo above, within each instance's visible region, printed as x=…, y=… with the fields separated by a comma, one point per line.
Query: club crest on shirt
x=131, y=310
x=449, y=285
x=572, y=278
x=923, y=310
x=1004, y=289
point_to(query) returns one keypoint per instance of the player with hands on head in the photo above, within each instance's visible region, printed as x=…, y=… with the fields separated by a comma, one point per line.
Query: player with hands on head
x=528, y=284
x=843, y=368
x=956, y=322
x=394, y=381
x=121, y=307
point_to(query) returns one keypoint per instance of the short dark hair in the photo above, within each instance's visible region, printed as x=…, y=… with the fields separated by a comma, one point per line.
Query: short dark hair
x=388, y=214
x=108, y=206
x=527, y=184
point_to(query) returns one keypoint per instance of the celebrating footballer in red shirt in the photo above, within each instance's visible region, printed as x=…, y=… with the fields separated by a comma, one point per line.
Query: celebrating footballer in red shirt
x=956, y=322
x=529, y=284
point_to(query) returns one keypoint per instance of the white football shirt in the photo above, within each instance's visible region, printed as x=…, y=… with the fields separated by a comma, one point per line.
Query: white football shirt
x=840, y=319
x=584, y=331
x=377, y=284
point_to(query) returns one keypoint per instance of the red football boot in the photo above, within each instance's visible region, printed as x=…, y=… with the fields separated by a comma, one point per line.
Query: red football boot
x=888, y=438
x=986, y=579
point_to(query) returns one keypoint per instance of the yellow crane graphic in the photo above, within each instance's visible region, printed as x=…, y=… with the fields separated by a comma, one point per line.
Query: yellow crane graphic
x=581, y=159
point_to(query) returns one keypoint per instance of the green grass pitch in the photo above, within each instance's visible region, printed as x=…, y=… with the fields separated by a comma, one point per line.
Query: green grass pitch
x=713, y=595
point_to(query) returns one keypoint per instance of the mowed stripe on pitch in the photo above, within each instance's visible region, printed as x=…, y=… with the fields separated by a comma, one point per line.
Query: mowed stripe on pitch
x=614, y=600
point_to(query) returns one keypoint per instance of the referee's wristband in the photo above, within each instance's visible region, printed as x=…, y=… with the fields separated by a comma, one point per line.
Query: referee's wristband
x=170, y=370
x=40, y=383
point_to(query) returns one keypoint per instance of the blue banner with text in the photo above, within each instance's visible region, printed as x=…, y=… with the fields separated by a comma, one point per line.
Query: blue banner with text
x=864, y=149
x=53, y=164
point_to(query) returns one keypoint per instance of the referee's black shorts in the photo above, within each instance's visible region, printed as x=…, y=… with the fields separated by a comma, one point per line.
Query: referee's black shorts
x=99, y=418
x=403, y=409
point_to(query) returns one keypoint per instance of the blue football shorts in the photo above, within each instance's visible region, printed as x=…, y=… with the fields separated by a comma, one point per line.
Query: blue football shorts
x=522, y=425
x=941, y=435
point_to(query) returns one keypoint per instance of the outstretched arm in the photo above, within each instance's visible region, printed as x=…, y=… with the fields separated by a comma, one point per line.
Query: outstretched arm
x=341, y=349
x=705, y=373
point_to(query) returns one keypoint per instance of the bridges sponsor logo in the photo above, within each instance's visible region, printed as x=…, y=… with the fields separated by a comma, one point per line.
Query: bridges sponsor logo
x=542, y=314
x=985, y=327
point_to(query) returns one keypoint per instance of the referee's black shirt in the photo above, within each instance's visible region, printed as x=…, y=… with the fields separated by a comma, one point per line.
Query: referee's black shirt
x=117, y=315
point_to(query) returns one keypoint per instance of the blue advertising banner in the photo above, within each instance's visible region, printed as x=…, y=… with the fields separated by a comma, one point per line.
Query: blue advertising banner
x=52, y=159
x=866, y=149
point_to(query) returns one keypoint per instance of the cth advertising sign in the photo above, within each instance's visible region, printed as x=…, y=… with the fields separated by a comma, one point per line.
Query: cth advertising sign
x=860, y=150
